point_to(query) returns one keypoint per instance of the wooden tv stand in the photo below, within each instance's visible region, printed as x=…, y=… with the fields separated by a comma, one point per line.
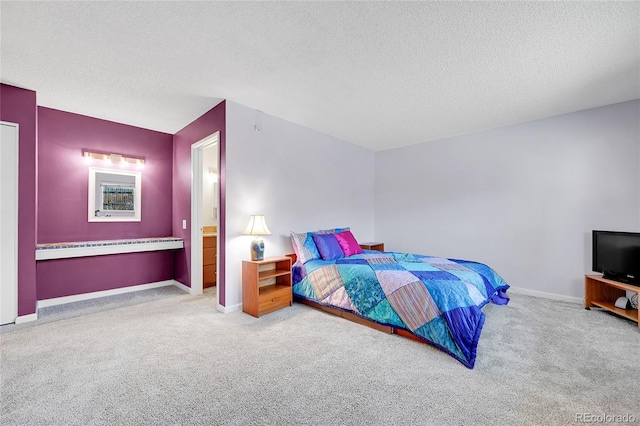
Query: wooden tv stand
x=603, y=293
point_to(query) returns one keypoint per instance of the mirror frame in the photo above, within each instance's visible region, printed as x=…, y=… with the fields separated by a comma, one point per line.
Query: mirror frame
x=137, y=197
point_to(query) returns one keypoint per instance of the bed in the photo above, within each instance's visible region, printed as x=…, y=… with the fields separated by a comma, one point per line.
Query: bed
x=430, y=299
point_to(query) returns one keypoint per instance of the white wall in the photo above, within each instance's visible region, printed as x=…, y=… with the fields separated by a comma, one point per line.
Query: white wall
x=300, y=179
x=210, y=188
x=522, y=198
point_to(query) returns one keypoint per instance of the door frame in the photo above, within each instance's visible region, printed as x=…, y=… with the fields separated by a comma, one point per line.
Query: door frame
x=197, y=186
x=14, y=201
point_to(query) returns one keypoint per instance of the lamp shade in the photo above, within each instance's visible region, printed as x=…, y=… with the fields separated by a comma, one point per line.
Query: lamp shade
x=257, y=226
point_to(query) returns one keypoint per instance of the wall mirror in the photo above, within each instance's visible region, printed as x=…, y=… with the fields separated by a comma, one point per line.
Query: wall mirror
x=114, y=195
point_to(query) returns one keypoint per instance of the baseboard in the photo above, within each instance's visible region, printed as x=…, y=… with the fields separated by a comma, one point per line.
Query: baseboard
x=27, y=318
x=182, y=286
x=220, y=308
x=96, y=294
x=229, y=309
x=546, y=295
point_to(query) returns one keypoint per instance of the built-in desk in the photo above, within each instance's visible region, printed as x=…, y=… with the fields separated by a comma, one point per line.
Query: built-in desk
x=104, y=247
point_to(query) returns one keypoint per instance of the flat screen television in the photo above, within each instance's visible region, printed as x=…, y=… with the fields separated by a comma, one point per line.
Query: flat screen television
x=617, y=255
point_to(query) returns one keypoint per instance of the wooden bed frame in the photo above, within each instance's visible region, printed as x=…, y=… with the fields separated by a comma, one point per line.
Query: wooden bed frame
x=355, y=318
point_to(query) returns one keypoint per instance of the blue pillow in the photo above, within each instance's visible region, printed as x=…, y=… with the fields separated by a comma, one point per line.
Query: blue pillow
x=328, y=246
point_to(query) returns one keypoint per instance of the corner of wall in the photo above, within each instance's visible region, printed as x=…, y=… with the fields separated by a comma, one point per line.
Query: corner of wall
x=207, y=124
x=19, y=106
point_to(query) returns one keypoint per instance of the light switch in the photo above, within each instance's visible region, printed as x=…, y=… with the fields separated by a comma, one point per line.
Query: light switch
x=184, y=223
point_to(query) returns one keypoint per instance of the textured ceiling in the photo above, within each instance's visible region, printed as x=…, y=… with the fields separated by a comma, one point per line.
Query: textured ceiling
x=378, y=74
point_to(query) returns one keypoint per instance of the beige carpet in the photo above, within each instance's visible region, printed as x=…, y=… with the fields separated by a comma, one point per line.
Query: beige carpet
x=173, y=359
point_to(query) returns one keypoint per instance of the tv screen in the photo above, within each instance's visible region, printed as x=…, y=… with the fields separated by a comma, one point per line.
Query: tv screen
x=617, y=255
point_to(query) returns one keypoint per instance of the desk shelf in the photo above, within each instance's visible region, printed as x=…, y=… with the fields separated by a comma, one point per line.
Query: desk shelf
x=105, y=247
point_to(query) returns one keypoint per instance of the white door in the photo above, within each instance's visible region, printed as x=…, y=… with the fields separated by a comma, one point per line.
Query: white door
x=8, y=223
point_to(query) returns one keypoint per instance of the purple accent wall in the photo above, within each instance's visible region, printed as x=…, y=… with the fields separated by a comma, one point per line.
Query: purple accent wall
x=63, y=177
x=209, y=123
x=66, y=277
x=19, y=106
x=62, y=203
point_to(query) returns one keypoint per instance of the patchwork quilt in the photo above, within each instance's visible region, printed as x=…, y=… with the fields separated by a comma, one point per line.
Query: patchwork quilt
x=437, y=299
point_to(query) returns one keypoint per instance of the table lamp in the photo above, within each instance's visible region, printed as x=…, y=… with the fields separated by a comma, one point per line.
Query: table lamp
x=257, y=226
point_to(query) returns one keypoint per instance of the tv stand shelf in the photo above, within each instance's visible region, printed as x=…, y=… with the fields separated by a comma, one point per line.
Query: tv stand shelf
x=603, y=293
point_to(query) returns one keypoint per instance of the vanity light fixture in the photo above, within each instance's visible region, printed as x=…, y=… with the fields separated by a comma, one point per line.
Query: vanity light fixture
x=112, y=158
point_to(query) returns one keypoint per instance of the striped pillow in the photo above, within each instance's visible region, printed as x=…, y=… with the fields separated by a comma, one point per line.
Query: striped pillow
x=304, y=246
x=332, y=231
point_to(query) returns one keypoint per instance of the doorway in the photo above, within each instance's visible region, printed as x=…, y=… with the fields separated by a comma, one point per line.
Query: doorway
x=210, y=216
x=201, y=182
x=8, y=222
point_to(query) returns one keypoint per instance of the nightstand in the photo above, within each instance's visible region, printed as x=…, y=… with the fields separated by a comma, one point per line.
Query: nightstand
x=266, y=285
x=372, y=246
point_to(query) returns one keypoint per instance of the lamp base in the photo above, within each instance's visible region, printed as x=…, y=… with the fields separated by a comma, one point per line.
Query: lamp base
x=257, y=249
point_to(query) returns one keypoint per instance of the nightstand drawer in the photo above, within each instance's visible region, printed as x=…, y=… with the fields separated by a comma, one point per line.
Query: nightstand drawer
x=267, y=308
x=272, y=307
x=274, y=300
x=273, y=296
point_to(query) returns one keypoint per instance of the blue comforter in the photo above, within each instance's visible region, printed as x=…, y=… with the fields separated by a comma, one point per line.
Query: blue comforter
x=434, y=298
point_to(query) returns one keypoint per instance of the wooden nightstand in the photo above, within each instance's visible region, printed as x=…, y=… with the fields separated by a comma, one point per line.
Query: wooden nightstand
x=266, y=285
x=372, y=246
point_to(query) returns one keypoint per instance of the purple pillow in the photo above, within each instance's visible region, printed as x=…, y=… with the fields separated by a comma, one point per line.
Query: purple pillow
x=328, y=246
x=348, y=243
